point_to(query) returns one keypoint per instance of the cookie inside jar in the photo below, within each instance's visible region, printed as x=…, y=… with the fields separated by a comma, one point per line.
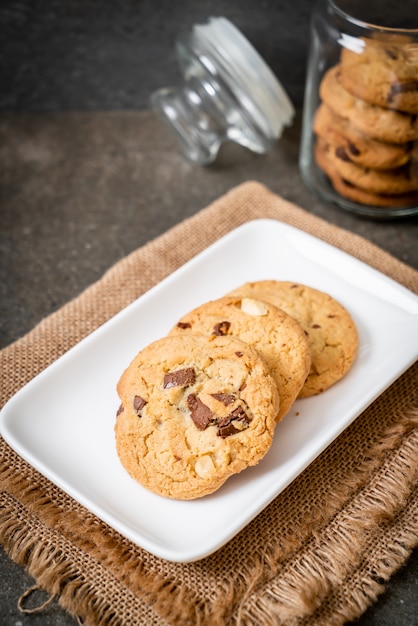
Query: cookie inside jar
x=360, y=135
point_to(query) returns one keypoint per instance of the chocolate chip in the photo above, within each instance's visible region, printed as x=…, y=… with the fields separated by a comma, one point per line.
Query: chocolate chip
x=139, y=404
x=179, y=378
x=392, y=54
x=341, y=154
x=400, y=171
x=239, y=354
x=221, y=328
x=233, y=423
x=201, y=414
x=184, y=325
x=225, y=398
x=120, y=410
x=316, y=326
x=398, y=88
x=353, y=149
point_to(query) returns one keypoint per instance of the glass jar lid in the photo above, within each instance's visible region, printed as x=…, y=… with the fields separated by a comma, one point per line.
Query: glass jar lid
x=228, y=93
x=249, y=76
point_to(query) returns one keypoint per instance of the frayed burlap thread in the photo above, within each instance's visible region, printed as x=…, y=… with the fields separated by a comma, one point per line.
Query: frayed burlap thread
x=320, y=553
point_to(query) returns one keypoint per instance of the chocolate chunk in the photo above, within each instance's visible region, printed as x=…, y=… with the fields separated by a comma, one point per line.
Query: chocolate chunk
x=179, y=378
x=400, y=171
x=225, y=398
x=353, y=149
x=316, y=326
x=342, y=154
x=139, y=404
x=392, y=54
x=398, y=88
x=221, y=328
x=201, y=414
x=233, y=423
x=184, y=325
x=120, y=410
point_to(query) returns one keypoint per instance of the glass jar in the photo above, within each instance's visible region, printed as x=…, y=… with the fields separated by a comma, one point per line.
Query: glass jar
x=359, y=145
x=229, y=93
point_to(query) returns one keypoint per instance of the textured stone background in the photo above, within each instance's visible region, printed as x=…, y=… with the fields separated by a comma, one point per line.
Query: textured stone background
x=89, y=55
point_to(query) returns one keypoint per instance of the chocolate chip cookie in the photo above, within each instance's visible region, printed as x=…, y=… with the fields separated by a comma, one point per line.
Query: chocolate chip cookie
x=382, y=73
x=194, y=411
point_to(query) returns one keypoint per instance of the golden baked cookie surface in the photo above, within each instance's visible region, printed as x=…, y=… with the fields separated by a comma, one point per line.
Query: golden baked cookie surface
x=329, y=327
x=275, y=335
x=383, y=73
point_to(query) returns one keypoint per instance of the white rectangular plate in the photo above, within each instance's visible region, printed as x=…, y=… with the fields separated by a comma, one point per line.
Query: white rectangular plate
x=62, y=421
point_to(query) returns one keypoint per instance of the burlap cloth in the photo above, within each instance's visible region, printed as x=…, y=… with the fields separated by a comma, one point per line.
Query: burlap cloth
x=319, y=554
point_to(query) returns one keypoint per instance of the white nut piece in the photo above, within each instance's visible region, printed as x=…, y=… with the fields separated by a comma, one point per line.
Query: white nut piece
x=253, y=307
x=204, y=466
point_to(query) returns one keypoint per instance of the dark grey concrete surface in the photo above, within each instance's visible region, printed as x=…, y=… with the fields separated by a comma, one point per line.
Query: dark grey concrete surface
x=87, y=174
x=95, y=55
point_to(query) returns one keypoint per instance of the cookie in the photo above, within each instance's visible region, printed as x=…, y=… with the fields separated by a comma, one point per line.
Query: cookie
x=355, y=194
x=382, y=73
x=275, y=335
x=194, y=411
x=329, y=327
x=384, y=182
x=356, y=146
x=372, y=120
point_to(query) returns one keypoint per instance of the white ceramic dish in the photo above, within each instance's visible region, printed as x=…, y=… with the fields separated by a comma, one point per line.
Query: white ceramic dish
x=62, y=421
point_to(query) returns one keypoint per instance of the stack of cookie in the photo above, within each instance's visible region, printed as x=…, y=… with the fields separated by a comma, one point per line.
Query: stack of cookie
x=367, y=124
x=202, y=403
